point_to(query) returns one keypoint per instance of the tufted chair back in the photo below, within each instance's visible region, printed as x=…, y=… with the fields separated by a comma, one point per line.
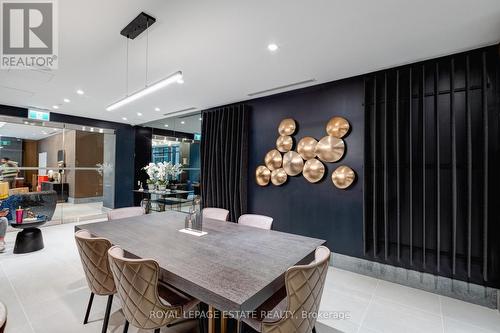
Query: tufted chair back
x=94, y=256
x=137, y=285
x=304, y=287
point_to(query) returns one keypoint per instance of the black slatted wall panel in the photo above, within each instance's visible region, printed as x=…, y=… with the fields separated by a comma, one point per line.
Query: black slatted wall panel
x=431, y=164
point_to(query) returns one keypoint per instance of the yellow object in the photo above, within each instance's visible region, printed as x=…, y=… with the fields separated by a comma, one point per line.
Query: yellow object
x=4, y=190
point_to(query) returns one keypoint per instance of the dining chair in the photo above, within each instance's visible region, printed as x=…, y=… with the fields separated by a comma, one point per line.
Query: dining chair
x=3, y=317
x=94, y=256
x=146, y=304
x=297, y=312
x=215, y=213
x=257, y=221
x=122, y=213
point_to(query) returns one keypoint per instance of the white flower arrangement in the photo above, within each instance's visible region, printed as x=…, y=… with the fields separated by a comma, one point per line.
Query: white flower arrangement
x=162, y=172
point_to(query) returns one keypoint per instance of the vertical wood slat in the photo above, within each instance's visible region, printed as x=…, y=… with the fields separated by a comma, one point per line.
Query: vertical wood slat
x=374, y=211
x=386, y=178
x=398, y=180
x=365, y=174
x=423, y=169
x=486, y=161
x=410, y=132
x=453, y=166
x=438, y=170
x=469, y=166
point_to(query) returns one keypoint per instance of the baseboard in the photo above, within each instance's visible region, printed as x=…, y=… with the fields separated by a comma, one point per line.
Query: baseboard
x=468, y=292
x=84, y=200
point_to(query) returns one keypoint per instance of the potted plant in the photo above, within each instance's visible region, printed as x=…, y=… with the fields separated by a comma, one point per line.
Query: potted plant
x=162, y=184
x=153, y=172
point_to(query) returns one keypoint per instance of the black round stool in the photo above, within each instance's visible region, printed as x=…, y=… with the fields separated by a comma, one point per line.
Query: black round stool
x=30, y=238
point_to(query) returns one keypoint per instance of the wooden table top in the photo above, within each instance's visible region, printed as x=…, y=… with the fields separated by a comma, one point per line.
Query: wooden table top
x=233, y=267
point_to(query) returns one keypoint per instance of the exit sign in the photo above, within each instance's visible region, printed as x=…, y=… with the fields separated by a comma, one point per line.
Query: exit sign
x=197, y=136
x=38, y=115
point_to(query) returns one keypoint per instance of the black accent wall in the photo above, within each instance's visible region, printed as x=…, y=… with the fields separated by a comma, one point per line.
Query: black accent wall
x=318, y=210
x=469, y=250
x=124, y=148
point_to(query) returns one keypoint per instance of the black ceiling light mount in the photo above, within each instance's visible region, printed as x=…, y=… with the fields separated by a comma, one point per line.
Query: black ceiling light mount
x=138, y=25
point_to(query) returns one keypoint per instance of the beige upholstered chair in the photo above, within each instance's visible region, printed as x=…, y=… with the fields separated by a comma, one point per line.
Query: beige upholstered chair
x=257, y=221
x=215, y=213
x=304, y=288
x=141, y=295
x=3, y=317
x=122, y=213
x=94, y=256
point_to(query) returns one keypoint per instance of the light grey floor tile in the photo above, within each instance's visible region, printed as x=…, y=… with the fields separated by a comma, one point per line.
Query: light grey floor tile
x=471, y=314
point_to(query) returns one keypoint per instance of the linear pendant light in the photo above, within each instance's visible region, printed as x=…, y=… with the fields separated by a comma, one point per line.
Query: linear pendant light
x=175, y=77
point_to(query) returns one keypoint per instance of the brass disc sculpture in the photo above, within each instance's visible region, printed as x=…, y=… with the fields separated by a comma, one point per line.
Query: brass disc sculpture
x=337, y=127
x=314, y=170
x=330, y=149
x=343, y=177
x=278, y=177
x=262, y=175
x=284, y=143
x=293, y=163
x=273, y=160
x=306, y=147
x=287, y=126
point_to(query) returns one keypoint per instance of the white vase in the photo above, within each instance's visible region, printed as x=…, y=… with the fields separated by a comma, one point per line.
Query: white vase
x=162, y=187
x=151, y=187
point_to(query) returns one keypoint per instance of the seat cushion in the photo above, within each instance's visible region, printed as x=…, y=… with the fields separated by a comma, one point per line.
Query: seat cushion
x=3, y=316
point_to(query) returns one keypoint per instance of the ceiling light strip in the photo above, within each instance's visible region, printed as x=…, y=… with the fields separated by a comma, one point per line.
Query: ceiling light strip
x=146, y=91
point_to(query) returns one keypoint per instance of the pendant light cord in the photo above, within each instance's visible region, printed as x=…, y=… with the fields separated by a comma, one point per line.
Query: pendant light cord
x=147, y=50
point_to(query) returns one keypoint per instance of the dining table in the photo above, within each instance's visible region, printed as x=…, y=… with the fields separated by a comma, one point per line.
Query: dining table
x=232, y=268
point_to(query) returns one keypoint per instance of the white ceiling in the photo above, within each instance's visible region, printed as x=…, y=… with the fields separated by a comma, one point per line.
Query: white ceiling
x=27, y=132
x=189, y=123
x=221, y=47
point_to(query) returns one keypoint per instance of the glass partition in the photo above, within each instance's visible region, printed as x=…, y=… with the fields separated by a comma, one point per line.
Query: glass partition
x=62, y=172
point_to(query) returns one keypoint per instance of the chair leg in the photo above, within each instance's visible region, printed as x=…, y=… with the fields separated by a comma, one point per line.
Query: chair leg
x=157, y=330
x=314, y=329
x=125, y=327
x=86, y=320
x=106, y=315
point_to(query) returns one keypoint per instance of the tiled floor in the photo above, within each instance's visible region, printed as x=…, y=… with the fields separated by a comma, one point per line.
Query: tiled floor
x=46, y=292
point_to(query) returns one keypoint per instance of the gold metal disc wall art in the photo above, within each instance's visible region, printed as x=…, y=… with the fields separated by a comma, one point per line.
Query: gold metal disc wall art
x=262, y=175
x=337, y=127
x=343, y=177
x=330, y=149
x=287, y=126
x=306, y=147
x=293, y=163
x=314, y=170
x=284, y=143
x=273, y=160
x=278, y=177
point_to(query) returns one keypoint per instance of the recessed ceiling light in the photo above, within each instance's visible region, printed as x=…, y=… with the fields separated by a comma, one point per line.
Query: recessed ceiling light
x=183, y=122
x=124, y=118
x=66, y=100
x=200, y=119
x=166, y=125
x=55, y=107
x=91, y=129
x=43, y=132
x=80, y=92
x=157, y=109
x=139, y=114
x=272, y=47
x=101, y=130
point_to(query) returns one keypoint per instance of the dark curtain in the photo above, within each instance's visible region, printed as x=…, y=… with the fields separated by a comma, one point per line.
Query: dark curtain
x=224, y=159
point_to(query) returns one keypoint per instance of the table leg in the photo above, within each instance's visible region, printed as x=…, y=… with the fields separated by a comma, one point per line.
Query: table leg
x=211, y=319
x=223, y=323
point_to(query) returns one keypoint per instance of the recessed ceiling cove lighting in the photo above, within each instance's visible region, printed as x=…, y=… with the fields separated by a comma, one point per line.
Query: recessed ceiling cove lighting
x=139, y=114
x=157, y=109
x=80, y=92
x=66, y=100
x=55, y=107
x=273, y=47
x=175, y=77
